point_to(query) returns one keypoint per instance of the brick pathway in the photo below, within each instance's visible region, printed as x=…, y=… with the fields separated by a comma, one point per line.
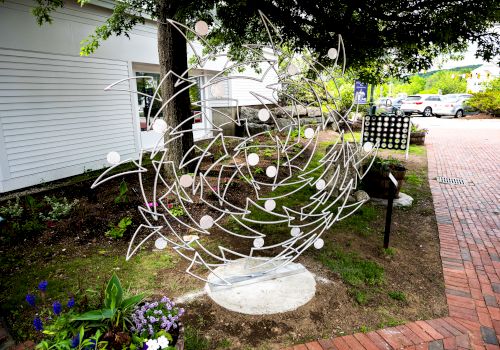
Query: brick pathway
x=469, y=233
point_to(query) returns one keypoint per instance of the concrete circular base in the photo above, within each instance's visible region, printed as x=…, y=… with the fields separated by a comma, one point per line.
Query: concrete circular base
x=284, y=289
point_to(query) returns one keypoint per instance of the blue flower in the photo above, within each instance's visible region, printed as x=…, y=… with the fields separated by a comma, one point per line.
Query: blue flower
x=57, y=307
x=43, y=286
x=37, y=323
x=71, y=302
x=30, y=298
x=75, y=341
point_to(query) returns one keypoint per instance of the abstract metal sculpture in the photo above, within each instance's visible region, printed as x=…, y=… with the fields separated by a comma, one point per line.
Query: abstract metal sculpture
x=206, y=193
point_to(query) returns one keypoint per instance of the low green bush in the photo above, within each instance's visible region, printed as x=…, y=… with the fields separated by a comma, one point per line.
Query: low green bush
x=486, y=102
x=117, y=231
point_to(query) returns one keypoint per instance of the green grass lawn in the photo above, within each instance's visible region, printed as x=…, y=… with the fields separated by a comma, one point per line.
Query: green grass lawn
x=352, y=252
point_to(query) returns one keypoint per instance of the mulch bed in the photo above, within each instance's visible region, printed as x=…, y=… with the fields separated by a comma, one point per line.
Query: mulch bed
x=414, y=270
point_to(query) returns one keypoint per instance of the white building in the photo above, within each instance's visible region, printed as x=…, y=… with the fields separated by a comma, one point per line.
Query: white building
x=55, y=119
x=481, y=76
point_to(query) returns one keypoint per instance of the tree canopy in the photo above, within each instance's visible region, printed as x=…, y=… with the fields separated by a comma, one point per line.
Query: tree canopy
x=381, y=36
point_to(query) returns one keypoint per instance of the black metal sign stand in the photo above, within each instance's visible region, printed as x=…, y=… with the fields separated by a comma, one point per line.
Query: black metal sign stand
x=393, y=185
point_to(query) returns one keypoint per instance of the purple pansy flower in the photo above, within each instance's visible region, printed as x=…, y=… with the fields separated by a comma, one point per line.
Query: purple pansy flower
x=156, y=316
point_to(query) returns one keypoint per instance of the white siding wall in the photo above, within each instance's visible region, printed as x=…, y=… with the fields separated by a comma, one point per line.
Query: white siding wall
x=70, y=26
x=241, y=88
x=56, y=120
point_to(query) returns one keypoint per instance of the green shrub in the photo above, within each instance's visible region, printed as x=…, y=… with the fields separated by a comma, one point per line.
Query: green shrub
x=389, y=252
x=361, y=297
x=176, y=211
x=12, y=210
x=258, y=170
x=195, y=340
x=122, y=197
x=59, y=208
x=117, y=231
x=486, y=102
x=385, y=164
x=364, y=329
x=268, y=152
x=397, y=295
x=417, y=128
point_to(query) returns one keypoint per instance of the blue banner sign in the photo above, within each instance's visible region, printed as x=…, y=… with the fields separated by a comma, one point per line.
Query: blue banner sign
x=360, y=92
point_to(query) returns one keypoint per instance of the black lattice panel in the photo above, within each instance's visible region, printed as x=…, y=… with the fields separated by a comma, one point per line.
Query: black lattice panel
x=391, y=132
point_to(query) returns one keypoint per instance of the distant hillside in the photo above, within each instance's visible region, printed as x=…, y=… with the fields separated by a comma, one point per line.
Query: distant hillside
x=459, y=70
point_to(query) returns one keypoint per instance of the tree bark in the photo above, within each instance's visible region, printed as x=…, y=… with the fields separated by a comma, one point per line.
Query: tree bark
x=172, y=53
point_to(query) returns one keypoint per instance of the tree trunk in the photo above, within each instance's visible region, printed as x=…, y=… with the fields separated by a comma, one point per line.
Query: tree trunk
x=173, y=57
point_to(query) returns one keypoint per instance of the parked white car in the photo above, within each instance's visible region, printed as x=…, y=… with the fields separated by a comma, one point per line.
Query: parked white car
x=453, y=104
x=420, y=104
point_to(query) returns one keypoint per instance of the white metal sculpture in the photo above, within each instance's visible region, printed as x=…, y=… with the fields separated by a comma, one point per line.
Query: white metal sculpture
x=293, y=145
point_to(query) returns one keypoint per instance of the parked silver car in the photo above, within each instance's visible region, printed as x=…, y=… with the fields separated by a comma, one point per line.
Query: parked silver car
x=388, y=105
x=453, y=104
x=423, y=104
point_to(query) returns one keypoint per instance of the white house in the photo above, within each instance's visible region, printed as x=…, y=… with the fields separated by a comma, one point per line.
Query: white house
x=56, y=120
x=476, y=82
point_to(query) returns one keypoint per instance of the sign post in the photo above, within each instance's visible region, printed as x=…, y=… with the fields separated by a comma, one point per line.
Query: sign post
x=393, y=185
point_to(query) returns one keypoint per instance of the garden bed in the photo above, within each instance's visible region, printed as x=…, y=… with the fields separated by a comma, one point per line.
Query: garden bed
x=360, y=286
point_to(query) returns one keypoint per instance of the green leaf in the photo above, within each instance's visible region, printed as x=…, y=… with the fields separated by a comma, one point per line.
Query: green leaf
x=123, y=188
x=125, y=222
x=165, y=334
x=114, y=293
x=132, y=301
x=82, y=334
x=43, y=345
x=137, y=339
x=95, y=315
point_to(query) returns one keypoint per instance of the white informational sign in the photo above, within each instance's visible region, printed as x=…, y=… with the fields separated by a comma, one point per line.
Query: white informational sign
x=393, y=179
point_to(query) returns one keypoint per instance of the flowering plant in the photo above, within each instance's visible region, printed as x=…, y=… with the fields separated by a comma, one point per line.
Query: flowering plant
x=49, y=313
x=155, y=323
x=53, y=320
x=106, y=328
x=120, y=323
x=417, y=128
